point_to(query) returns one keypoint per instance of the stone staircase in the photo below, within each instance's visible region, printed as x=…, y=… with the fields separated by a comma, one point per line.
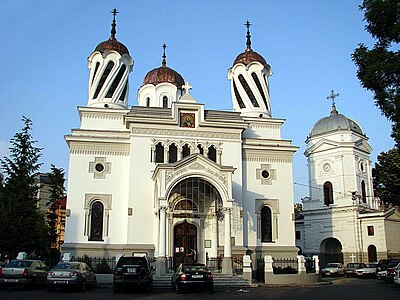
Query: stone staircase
x=220, y=281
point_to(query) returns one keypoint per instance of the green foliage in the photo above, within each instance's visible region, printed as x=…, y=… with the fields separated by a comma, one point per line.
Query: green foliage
x=379, y=67
x=298, y=208
x=386, y=176
x=56, y=183
x=103, y=267
x=22, y=227
x=285, y=270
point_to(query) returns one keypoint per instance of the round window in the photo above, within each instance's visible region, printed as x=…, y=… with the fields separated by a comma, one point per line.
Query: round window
x=326, y=167
x=99, y=167
x=265, y=174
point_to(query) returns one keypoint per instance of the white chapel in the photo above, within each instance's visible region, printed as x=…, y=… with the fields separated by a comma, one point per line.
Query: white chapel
x=165, y=176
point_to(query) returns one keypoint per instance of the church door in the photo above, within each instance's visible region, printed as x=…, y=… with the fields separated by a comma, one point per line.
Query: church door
x=185, y=243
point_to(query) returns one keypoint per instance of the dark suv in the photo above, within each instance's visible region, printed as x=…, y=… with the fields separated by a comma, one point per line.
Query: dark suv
x=132, y=272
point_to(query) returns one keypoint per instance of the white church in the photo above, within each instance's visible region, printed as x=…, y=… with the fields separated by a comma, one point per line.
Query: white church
x=165, y=176
x=342, y=221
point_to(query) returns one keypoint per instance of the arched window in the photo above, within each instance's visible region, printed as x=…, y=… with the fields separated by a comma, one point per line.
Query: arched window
x=95, y=71
x=116, y=81
x=122, y=96
x=266, y=224
x=237, y=96
x=328, y=193
x=212, y=153
x=363, y=192
x=103, y=78
x=96, y=221
x=148, y=101
x=258, y=84
x=159, y=153
x=165, y=102
x=172, y=153
x=248, y=91
x=201, y=150
x=185, y=150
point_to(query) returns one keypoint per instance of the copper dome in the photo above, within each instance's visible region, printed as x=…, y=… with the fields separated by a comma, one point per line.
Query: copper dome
x=112, y=44
x=164, y=74
x=248, y=57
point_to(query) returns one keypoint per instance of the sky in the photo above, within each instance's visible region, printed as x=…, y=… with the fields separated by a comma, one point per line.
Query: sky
x=308, y=43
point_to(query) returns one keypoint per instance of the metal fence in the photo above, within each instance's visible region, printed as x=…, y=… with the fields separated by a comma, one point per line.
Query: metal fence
x=237, y=265
x=285, y=266
x=100, y=265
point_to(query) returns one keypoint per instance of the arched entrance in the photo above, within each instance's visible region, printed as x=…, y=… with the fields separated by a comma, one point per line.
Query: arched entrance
x=185, y=243
x=372, y=257
x=331, y=251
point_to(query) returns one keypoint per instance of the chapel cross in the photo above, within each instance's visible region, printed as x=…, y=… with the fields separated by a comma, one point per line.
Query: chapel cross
x=113, y=25
x=352, y=257
x=187, y=87
x=248, y=36
x=164, y=57
x=332, y=97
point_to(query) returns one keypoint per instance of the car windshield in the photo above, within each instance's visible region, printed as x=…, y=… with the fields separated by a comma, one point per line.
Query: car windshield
x=393, y=264
x=19, y=264
x=132, y=261
x=372, y=265
x=332, y=265
x=191, y=268
x=64, y=266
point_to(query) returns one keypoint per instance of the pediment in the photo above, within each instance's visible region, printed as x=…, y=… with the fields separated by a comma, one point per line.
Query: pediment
x=363, y=146
x=322, y=145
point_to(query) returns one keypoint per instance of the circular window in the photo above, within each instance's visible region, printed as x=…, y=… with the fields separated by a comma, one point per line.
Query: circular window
x=99, y=167
x=326, y=167
x=265, y=174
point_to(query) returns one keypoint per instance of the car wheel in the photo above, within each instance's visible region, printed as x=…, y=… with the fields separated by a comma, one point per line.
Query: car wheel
x=50, y=288
x=32, y=286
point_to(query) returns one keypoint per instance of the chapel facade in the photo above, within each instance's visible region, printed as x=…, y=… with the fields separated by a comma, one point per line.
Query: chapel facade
x=342, y=220
x=167, y=177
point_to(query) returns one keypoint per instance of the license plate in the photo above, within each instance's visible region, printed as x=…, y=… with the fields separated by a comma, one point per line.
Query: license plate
x=197, y=276
x=131, y=270
x=10, y=280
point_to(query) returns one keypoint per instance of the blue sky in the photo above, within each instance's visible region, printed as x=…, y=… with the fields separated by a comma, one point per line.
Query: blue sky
x=308, y=43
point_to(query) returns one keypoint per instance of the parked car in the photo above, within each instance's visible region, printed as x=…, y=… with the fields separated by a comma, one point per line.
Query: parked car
x=397, y=275
x=382, y=264
x=350, y=269
x=381, y=274
x=73, y=274
x=23, y=272
x=369, y=271
x=391, y=270
x=192, y=276
x=333, y=269
x=132, y=272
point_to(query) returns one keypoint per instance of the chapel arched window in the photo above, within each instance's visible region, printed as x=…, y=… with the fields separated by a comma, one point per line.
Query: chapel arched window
x=172, y=153
x=201, y=149
x=363, y=192
x=165, y=102
x=185, y=150
x=116, y=82
x=103, y=78
x=212, y=153
x=248, y=91
x=259, y=87
x=237, y=96
x=96, y=68
x=328, y=193
x=159, y=153
x=148, y=101
x=96, y=221
x=266, y=225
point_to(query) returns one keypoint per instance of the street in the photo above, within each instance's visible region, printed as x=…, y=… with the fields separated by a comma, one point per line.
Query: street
x=342, y=288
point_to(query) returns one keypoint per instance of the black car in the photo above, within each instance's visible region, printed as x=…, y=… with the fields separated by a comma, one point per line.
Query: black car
x=71, y=274
x=391, y=270
x=132, y=272
x=23, y=272
x=194, y=276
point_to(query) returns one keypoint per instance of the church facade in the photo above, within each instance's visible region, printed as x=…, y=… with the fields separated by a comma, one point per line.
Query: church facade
x=167, y=177
x=342, y=221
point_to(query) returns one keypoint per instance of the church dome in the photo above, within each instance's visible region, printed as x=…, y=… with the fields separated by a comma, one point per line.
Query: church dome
x=164, y=74
x=248, y=57
x=335, y=122
x=112, y=44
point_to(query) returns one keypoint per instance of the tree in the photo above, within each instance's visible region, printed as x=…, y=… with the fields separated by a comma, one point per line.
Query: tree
x=379, y=67
x=56, y=183
x=386, y=177
x=22, y=227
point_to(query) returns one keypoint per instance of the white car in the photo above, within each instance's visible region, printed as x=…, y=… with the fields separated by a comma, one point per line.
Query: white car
x=397, y=275
x=333, y=269
x=367, y=272
x=381, y=274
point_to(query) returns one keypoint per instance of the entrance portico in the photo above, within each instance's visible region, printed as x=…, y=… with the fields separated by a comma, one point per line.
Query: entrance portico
x=193, y=195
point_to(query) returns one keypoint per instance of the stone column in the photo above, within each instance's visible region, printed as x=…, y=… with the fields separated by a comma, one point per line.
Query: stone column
x=268, y=269
x=214, y=237
x=161, y=259
x=247, y=270
x=301, y=267
x=316, y=263
x=227, y=262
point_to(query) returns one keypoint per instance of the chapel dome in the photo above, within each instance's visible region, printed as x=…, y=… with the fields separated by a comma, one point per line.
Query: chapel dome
x=248, y=57
x=164, y=74
x=112, y=44
x=335, y=122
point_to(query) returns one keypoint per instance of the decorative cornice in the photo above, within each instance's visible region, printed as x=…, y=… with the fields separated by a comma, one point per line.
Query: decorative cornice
x=186, y=133
x=100, y=150
x=329, y=211
x=259, y=156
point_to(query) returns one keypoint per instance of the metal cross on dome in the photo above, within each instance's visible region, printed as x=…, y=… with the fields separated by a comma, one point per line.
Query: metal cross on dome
x=332, y=97
x=187, y=87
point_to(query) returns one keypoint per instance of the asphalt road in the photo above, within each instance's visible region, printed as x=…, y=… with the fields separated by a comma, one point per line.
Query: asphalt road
x=339, y=289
